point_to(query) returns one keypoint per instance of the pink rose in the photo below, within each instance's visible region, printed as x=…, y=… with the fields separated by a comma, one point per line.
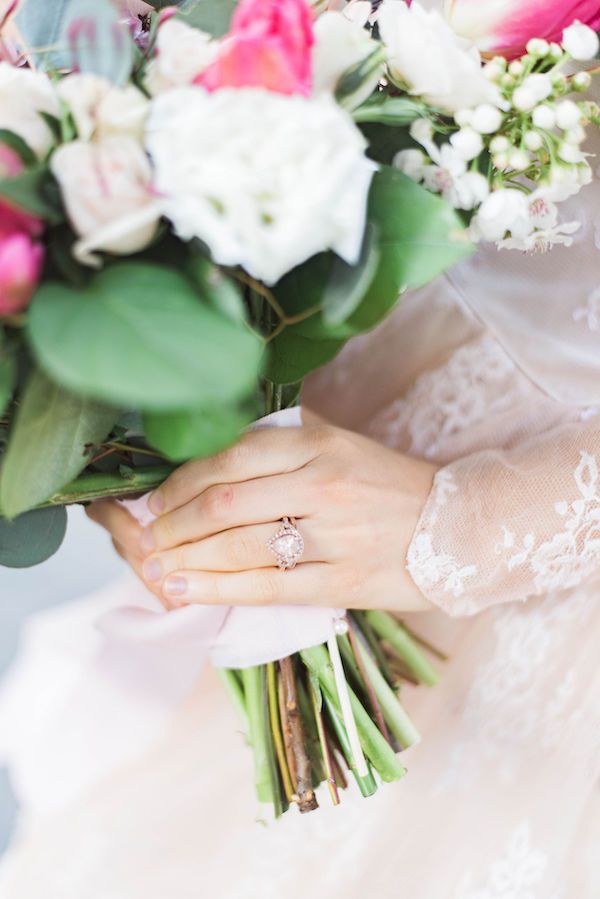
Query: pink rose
x=269, y=45
x=21, y=261
x=506, y=26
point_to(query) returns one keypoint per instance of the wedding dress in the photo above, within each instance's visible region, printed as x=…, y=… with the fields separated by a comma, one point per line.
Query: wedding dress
x=494, y=373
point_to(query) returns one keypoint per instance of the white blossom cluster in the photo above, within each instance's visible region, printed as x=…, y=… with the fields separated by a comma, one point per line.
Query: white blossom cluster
x=511, y=158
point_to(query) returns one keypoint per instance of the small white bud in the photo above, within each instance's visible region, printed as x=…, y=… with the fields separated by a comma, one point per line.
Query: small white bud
x=534, y=141
x=556, y=52
x=519, y=160
x=500, y=161
x=582, y=81
x=580, y=41
x=568, y=114
x=486, y=119
x=538, y=47
x=467, y=143
x=501, y=62
x=421, y=130
x=516, y=68
x=507, y=80
x=524, y=99
x=493, y=72
x=559, y=82
x=463, y=117
x=544, y=117
x=499, y=144
x=570, y=153
x=575, y=135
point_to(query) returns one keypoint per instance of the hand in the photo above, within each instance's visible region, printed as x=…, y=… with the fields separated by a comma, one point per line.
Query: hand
x=356, y=504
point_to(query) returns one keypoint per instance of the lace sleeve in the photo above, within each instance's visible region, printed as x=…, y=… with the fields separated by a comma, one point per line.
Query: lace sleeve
x=504, y=525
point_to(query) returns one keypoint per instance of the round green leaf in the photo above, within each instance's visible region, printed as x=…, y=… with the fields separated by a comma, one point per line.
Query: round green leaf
x=194, y=433
x=138, y=335
x=32, y=538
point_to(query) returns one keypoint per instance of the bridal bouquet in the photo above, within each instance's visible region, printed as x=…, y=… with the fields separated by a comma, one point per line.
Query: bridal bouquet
x=199, y=205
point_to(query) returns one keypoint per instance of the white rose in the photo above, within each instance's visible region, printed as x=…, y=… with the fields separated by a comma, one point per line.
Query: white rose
x=504, y=210
x=580, y=41
x=105, y=186
x=24, y=94
x=433, y=61
x=100, y=109
x=265, y=180
x=182, y=53
x=340, y=44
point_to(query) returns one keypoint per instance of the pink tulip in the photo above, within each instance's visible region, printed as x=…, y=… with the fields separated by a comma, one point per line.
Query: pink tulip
x=11, y=217
x=505, y=26
x=21, y=263
x=269, y=45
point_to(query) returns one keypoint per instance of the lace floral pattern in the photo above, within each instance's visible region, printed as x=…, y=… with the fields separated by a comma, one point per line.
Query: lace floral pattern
x=478, y=381
x=516, y=874
x=589, y=314
x=573, y=553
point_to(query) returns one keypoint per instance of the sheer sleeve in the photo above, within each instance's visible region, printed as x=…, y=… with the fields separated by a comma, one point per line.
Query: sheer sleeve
x=503, y=525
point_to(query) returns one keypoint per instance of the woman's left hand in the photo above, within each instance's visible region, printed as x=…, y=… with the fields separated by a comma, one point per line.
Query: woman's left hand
x=356, y=504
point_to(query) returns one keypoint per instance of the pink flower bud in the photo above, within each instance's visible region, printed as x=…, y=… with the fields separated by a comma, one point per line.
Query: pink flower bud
x=269, y=46
x=21, y=263
x=507, y=26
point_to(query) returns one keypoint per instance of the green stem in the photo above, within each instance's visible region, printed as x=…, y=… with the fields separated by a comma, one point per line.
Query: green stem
x=233, y=686
x=360, y=619
x=407, y=648
x=317, y=704
x=374, y=744
x=101, y=485
x=277, y=733
x=367, y=785
x=253, y=680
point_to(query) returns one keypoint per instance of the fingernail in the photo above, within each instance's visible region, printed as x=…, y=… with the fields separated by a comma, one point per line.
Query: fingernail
x=175, y=586
x=156, y=502
x=147, y=540
x=152, y=570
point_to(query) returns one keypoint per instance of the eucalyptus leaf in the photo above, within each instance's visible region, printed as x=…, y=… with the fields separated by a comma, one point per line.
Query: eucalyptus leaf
x=138, y=335
x=194, y=433
x=16, y=143
x=219, y=291
x=32, y=538
x=47, y=443
x=348, y=284
x=32, y=190
x=98, y=39
x=212, y=16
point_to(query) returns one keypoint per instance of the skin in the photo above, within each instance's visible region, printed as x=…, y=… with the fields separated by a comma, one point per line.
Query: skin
x=356, y=504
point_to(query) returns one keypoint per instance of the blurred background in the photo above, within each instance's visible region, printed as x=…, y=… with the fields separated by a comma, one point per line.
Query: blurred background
x=85, y=562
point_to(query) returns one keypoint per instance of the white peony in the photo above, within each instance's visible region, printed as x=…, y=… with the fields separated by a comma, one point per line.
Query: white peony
x=182, y=53
x=341, y=43
x=24, y=94
x=100, y=109
x=265, y=180
x=106, y=188
x=431, y=59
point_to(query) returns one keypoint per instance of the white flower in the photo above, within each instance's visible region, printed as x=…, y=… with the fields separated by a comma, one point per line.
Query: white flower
x=340, y=44
x=505, y=210
x=544, y=116
x=467, y=143
x=449, y=177
x=570, y=153
x=535, y=88
x=540, y=241
x=412, y=162
x=24, y=94
x=106, y=189
x=533, y=141
x=568, y=114
x=580, y=41
x=265, y=180
x=100, y=109
x=434, y=63
x=566, y=180
x=486, y=119
x=182, y=53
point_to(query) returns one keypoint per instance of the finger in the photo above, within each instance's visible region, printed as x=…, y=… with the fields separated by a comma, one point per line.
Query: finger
x=239, y=549
x=228, y=506
x=306, y=584
x=258, y=454
x=122, y=526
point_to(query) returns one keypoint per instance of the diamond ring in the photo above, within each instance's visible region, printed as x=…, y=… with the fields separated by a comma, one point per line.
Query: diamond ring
x=287, y=545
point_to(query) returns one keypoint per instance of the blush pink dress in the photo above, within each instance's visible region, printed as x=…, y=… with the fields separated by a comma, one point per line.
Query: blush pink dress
x=494, y=373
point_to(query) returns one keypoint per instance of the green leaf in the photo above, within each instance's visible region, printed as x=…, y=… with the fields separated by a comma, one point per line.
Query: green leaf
x=348, y=284
x=99, y=39
x=389, y=110
x=8, y=371
x=193, y=433
x=138, y=335
x=47, y=443
x=219, y=291
x=31, y=190
x=32, y=538
x=418, y=237
x=16, y=143
x=363, y=75
x=212, y=16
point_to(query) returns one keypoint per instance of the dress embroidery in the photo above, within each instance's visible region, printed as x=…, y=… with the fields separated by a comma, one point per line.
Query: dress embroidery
x=517, y=874
x=590, y=313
